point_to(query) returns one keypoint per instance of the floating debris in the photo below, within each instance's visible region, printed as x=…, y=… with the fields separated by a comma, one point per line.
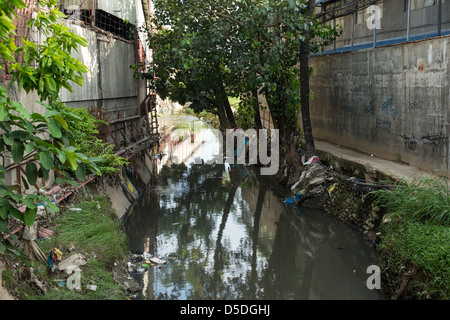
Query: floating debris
x=157, y=260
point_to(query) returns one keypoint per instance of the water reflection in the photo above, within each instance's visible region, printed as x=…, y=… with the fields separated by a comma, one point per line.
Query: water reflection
x=227, y=235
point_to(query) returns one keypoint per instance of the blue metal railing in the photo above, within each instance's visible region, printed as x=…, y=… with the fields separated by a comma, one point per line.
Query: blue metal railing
x=384, y=42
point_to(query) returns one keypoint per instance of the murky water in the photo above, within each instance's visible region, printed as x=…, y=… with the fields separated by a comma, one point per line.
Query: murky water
x=226, y=234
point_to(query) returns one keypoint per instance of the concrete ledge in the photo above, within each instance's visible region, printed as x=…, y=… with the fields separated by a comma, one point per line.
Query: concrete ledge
x=364, y=165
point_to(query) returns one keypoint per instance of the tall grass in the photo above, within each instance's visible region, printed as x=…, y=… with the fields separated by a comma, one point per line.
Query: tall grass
x=96, y=229
x=419, y=233
x=422, y=199
x=427, y=246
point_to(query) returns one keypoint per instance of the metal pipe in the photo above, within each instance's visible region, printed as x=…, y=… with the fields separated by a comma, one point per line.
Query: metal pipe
x=408, y=21
x=353, y=29
x=439, y=18
x=123, y=119
x=92, y=14
x=334, y=25
x=375, y=30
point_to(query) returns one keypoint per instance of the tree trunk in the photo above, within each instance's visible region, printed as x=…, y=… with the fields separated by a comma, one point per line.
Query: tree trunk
x=222, y=117
x=226, y=105
x=224, y=124
x=304, y=89
x=257, y=113
x=289, y=154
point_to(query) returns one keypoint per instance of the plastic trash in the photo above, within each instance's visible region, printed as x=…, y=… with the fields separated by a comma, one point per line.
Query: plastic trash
x=157, y=261
x=55, y=256
x=146, y=255
x=356, y=187
x=91, y=287
x=294, y=199
x=330, y=190
x=75, y=209
x=136, y=257
x=299, y=180
x=40, y=209
x=310, y=160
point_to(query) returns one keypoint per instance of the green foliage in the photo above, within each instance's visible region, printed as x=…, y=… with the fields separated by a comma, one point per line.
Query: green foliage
x=82, y=135
x=418, y=233
x=34, y=139
x=54, y=65
x=423, y=199
x=427, y=246
x=40, y=142
x=94, y=229
x=246, y=113
x=244, y=45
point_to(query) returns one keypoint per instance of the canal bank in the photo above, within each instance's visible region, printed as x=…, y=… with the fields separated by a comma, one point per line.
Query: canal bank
x=399, y=209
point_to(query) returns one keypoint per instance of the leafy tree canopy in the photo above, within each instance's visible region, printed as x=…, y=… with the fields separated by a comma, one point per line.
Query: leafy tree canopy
x=244, y=45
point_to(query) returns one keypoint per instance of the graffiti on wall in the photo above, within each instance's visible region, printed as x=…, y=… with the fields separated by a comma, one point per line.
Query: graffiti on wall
x=411, y=143
x=435, y=140
x=414, y=106
x=386, y=117
x=383, y=124
x=388, y=109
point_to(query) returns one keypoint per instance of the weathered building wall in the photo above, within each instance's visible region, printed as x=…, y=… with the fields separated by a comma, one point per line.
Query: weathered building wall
x=110, y=82
x=393, y=102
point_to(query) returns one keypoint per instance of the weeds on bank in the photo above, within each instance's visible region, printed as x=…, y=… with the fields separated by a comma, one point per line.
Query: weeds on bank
x=423, y=199
x=95, y=232
x=94, y=229
x=418, y=232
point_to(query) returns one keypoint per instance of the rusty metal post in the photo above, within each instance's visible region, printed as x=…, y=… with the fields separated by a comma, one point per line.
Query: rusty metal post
x=19, y=184
x=92, y=13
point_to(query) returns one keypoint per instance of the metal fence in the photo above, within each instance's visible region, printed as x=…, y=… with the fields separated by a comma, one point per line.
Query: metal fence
x=368, y=24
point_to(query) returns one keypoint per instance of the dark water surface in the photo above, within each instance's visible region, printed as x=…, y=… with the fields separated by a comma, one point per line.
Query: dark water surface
x=226, y=234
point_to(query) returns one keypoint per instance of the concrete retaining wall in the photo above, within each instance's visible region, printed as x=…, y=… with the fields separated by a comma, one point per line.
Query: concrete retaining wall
x=393, y=102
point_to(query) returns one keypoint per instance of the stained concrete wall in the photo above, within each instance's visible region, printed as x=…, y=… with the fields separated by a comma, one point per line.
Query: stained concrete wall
x=392, y=101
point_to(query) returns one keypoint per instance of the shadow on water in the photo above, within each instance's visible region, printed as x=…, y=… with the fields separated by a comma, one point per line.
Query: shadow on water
x=225, y=234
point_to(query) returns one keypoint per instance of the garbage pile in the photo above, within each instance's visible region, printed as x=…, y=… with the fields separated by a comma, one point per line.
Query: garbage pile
x=345, y=197
x=312, y=182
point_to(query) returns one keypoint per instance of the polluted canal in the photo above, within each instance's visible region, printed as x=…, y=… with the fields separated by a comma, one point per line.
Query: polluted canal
x=220, y=231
